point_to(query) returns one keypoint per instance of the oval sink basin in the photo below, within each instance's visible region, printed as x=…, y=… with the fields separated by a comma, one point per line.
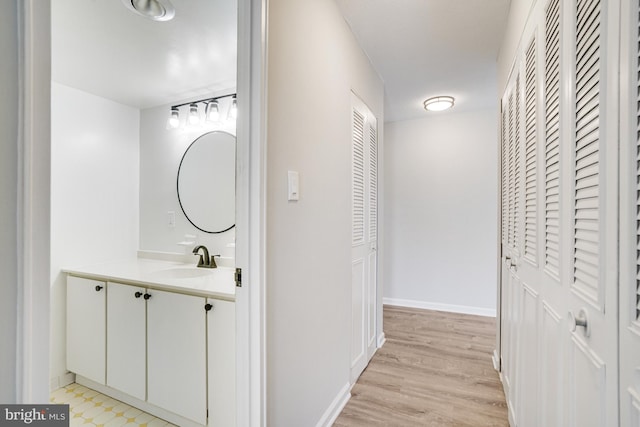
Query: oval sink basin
x=182, y=272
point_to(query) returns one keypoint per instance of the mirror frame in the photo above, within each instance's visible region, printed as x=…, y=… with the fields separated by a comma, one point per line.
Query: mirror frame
x=178, y=181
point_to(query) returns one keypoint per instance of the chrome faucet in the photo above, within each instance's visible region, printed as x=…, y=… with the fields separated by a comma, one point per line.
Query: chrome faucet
x=205, y=260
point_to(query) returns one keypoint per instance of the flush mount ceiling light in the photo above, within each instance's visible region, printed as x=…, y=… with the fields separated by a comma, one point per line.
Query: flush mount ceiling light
x=156, y=10
x=438, y=103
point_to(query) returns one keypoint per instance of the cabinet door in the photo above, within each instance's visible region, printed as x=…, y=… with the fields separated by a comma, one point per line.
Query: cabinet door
x=221, y=342
x=126, y=352
x=86, y=328
x=176, y=354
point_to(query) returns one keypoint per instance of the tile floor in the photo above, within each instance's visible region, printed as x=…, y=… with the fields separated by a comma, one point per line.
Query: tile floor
x=89, y=408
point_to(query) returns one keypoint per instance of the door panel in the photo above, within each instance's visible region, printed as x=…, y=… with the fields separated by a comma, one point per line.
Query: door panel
x=364, y=234
x=86, y=328
x=587, y=386
x=126, y=338
x=629, y=298
x=358, y=354
x=528, y=362
x=552, y=363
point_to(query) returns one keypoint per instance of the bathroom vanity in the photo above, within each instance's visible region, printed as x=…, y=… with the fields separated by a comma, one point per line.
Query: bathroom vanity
x=157, y=335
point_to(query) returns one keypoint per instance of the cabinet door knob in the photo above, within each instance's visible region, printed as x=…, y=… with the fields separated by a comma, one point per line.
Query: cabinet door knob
x=98, y=287
x=208, y=307
x=138, y=294
x=147, y=296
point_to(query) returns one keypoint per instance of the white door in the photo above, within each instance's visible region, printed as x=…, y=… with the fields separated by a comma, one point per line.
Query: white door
x=560, y=203
x=86, y=328
x=592, y=298
x=629, y=216
x=176, y=354
x=364, y=237
x=126, y=338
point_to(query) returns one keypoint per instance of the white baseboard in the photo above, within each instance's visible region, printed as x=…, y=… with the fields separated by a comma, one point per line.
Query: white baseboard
x=61, y=381
x=496, y=360
x=137, y=403
x=332, y=412
x=478, y=311
x=381, y=340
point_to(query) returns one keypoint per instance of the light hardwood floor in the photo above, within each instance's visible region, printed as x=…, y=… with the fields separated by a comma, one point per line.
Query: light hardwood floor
x=435, y=369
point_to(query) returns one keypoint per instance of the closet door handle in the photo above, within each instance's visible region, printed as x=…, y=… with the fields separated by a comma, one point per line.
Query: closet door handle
x=582, y=320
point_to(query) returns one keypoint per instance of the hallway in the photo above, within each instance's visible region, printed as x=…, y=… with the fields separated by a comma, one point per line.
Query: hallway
x=435, y=369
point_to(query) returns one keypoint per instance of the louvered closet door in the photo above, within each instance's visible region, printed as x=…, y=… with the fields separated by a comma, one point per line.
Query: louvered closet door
x=630, y=216
x=592, y=297
x=552, y=297
x=364, y=234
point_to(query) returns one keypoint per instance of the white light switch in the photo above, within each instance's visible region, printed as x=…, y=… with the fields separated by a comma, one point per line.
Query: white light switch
x=293, y=185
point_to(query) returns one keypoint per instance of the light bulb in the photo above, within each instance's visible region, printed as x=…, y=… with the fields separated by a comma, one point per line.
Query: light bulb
x=174, y=118
x=194, y=114
x=233, y=111
x=212, y=113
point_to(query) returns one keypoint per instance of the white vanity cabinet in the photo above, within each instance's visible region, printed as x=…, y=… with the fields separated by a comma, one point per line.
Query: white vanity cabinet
x=86, y=328
x=164, y=349
x=177, y=356
x=126, y=338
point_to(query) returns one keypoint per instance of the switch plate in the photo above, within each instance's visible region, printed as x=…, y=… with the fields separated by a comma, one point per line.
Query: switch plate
x=171, y=221
x=293, y=185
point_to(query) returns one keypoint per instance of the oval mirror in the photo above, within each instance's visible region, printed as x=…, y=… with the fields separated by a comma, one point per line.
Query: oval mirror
x=207, y=182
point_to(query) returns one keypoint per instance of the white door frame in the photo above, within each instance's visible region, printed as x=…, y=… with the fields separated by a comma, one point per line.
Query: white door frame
x=33, y=222
x=250, y=213
x=34, y=145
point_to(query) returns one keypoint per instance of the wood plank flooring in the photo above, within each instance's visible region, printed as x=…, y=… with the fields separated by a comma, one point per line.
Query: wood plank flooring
x=435, y=369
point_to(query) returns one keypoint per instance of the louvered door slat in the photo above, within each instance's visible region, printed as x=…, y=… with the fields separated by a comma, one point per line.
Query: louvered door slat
x=373, y=183
x=531, y=202
x=358, y=178
x=505, y=178
x=586, y=171
x=511, y=187
x=552, y=138
x=517, y=178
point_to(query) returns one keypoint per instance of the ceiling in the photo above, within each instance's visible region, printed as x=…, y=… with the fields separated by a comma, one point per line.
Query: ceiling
x=420, y=48
x=101, y=47
x=425, y=48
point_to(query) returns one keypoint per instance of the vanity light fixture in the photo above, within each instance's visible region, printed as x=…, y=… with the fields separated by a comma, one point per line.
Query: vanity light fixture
x=174, y=118
x=212, y=111
x=438, y=103
x=233, y=111
x=156, y=10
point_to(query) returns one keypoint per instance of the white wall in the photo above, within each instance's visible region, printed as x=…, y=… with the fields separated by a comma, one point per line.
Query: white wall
x=161, y=150
x=313, y=63
x=440, y=211
x=519, y=11
x=94, y=193
x=8, y=194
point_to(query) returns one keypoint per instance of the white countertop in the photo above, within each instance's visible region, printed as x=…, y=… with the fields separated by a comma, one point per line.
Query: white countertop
x=172, y=276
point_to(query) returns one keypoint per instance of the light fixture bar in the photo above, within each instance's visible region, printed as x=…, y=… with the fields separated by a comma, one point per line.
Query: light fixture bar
x=203, y=100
